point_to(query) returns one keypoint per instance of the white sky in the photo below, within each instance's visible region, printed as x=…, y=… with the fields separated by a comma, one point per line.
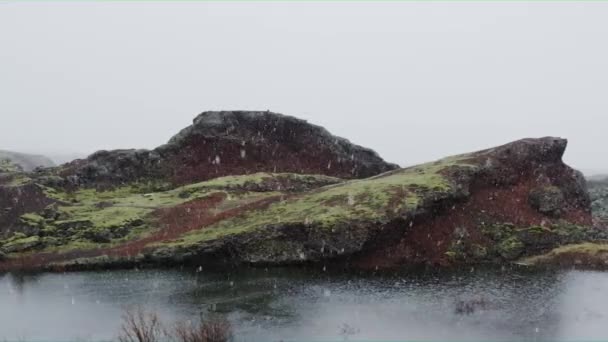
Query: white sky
x=414, y=81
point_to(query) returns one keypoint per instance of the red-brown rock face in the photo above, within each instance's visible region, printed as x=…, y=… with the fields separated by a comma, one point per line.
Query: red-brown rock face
x=517, y=199
x=233, y=143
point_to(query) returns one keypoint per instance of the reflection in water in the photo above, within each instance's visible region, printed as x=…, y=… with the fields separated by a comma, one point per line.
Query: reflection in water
x=288, y=304
x=16, y=282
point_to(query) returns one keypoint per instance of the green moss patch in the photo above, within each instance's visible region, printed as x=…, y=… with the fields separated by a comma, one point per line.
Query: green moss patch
x=584, y=254
x=505, y=241
x=32, y=220
x=378, y=198
x=19, y=243
x=89, y=218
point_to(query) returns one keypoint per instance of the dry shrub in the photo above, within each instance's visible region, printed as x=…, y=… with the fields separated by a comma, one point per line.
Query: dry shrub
x=215, y=329
x=140, y=325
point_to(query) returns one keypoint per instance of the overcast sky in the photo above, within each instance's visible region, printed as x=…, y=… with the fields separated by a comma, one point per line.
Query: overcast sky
x=414, y=81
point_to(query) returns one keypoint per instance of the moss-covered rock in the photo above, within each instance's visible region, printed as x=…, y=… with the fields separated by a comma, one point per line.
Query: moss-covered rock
x=494, y=205
x=464, y=252
x=510, y=248
x=374, y=200
x=75, y=224
x=584, y=255
x=510, y=242
x=479, y=252
x=547, y=199
x=498, y=231
x=21, y=244
x=114, y=215
x=32, y=220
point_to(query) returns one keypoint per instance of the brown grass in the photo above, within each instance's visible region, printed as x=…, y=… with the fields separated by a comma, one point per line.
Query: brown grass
x=216, y=329
x=140, y=325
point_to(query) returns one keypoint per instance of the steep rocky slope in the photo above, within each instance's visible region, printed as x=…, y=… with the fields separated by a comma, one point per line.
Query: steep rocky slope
x=22, y=161
x=497, y=205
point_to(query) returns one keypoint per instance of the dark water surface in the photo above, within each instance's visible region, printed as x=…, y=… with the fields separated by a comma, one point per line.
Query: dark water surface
x=299, y=305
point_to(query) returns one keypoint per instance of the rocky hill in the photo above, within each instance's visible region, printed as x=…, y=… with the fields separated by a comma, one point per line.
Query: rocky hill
x=22, y=161
x=231, y=143
x=296, y=195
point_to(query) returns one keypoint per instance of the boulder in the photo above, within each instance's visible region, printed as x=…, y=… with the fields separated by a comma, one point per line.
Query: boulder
x=74, y=224
x=547, y=200
x=99, y=236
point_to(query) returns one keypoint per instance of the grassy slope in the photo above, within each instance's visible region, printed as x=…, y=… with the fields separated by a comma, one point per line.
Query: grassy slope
x=87, y=212
x=373, y=199
x=588, y=253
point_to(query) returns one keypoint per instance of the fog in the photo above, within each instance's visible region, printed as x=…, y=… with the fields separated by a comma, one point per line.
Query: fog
x=414, y=81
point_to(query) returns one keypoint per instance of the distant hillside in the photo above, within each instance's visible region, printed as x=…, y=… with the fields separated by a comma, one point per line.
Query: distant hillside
x=62, y=158
x=595, y=179
x=598, y=192
x=27, y=162
x=597, y=182
x=6, y=165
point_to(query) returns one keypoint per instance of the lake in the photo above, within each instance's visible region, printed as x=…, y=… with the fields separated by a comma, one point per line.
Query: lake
x=305, y=305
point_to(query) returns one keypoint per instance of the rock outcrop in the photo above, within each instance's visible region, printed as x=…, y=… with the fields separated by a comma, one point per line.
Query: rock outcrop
x=231, y=143
x=498, y=205
x=594, y=254
x=478, y=207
